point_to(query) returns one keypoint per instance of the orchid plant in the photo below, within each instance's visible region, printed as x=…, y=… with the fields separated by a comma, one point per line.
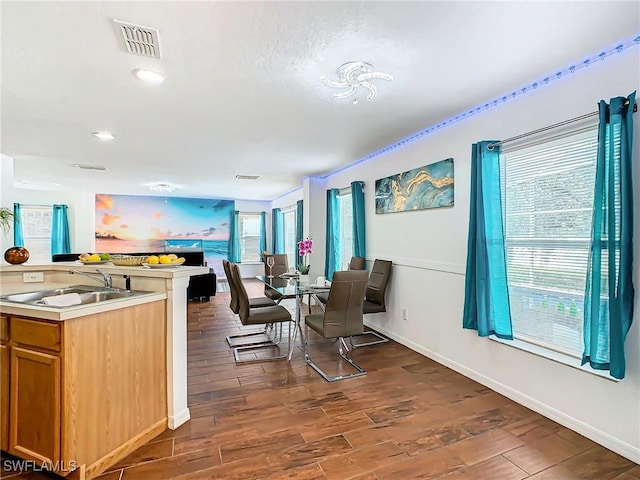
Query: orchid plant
x=305, y=248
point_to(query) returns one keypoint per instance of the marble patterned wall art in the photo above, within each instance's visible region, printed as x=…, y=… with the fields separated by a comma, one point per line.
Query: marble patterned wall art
x=425, y=187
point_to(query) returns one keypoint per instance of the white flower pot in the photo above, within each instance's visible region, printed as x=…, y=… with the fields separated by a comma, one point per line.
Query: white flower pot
x=304, y=278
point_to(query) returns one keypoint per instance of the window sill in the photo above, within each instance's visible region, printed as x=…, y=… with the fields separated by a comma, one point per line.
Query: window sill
x=552, y=355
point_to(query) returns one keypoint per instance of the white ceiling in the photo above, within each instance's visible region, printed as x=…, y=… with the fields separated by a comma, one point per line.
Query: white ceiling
x=242, y=93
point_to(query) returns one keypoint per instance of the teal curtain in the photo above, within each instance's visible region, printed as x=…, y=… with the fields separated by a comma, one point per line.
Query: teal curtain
x=263, y=233
x=235, y=255
x=60, y=237
x=357, y=201
x=332, y=252
x=18, y=238
x=486, y=301
x=299, y=222
x=277, y=230
x=609, y=292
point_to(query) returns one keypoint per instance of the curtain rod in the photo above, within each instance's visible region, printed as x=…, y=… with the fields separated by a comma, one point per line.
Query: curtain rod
x=550, y=127
x=346, y=190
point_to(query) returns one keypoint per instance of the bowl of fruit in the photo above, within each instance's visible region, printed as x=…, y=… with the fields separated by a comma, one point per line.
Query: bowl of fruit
x=128, y=260
x=163, y=261
x=94, y=258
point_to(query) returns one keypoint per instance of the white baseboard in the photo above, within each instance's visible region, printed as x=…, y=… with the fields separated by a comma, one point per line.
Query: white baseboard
x=622, y=448
x=174, y=421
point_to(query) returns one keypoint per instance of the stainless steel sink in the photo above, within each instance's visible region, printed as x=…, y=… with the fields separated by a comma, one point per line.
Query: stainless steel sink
x=88, y=294
x=30, y=297
x=93, y=297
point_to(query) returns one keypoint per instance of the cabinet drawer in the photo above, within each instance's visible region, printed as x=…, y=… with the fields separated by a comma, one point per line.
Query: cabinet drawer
x=35, y=333
x=4, y=328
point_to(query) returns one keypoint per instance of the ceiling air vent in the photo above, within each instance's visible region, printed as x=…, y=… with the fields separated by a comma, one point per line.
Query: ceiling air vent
x=139, y=40
x=90, y=167
x=247, y=177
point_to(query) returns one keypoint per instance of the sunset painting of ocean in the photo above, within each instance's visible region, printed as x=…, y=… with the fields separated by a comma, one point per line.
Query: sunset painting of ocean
x=131, y=223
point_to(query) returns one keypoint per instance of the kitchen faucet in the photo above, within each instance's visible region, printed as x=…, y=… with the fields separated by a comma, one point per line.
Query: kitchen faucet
x=106, y=278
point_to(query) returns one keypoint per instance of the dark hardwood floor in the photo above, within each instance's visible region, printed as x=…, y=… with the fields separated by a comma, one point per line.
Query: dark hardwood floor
x=409, y=418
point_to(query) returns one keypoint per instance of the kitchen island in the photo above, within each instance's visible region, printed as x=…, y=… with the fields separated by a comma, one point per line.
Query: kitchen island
x=85, y=385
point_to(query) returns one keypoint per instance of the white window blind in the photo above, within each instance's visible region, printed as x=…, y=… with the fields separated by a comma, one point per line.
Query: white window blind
x=346, y=229
x=36, y=232
x=250, y=237
x=548, y=192
x=290, y=244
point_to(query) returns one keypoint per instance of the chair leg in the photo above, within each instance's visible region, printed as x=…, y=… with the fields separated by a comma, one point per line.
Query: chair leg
x=264, y=333
x=320, y=304
x=381, y=339
x=341, y=351
x=238, y=350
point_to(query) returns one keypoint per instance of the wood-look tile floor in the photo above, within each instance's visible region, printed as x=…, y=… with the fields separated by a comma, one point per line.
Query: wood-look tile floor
x=408, y=418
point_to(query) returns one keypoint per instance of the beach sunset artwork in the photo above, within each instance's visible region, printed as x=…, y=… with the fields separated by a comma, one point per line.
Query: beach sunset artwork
x=132, y=223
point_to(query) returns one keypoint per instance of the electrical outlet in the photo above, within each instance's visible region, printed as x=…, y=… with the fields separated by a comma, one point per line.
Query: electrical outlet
x=31, y=277
x=405, y=314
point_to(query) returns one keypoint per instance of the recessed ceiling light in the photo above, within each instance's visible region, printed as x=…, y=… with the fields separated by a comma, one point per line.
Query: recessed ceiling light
x=161, y=186
x=104, y=136
x=148, y=76
x=247, y=177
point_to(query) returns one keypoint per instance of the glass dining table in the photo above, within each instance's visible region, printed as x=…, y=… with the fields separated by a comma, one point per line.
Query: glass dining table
x=290, y=287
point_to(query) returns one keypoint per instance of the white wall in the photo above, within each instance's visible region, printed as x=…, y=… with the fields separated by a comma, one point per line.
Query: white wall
x=288, y=199
x=315, y=214
x=6, y=197
x=81, y=212
x=428, y=249
x=248, y=206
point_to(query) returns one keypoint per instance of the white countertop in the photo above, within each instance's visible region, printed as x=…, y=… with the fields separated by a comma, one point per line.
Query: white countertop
x=75, y=311
x=14, y=272
x=141, y=271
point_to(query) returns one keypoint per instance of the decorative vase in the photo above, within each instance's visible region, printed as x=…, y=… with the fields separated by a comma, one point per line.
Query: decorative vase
x=304, y=278
x=16, y=255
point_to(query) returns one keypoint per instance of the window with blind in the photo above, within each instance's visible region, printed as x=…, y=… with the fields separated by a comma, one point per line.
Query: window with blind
x=548, y=193
x=250, y=237
x=36, y=232
x=289, y=226
x=345, y=246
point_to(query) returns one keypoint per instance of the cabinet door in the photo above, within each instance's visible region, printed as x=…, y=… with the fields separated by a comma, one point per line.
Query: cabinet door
x=34, y=423
x=4, y=397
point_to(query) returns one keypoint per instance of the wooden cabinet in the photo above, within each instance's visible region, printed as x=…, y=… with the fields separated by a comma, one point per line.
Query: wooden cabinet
x=36, y=333
x=78, y=395
x=4, y=383
x=33, y=389
x=35, y=406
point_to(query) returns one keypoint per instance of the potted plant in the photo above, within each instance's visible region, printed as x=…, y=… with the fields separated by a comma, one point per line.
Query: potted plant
x=305, y=247
x=14, y=255
x=6, y=219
